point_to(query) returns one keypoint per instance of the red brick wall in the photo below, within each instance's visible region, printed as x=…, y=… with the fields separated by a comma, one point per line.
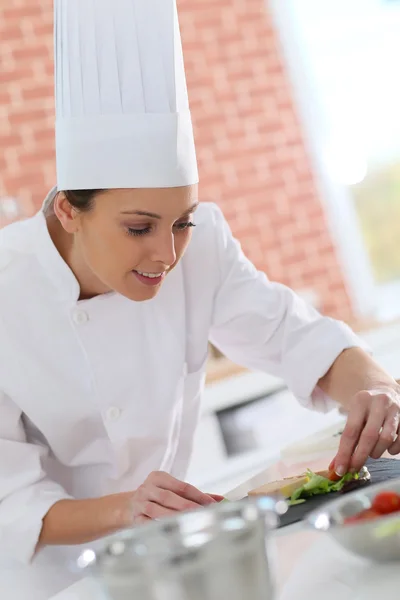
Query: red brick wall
x=251, y=153
x=26, y=100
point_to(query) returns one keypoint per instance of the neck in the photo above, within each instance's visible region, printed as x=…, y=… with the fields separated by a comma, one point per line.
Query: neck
x=65, y=243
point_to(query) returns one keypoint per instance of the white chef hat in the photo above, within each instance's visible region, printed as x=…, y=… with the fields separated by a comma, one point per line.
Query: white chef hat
x=122, y=109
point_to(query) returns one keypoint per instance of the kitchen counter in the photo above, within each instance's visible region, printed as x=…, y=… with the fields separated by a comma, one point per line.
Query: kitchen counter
x=311, y=565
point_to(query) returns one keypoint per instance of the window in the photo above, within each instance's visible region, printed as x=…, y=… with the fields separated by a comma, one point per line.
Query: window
x=343, y=57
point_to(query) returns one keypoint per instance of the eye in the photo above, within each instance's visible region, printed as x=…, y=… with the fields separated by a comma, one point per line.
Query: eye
x=146, y=230
x=183, y=226
x=137, y=232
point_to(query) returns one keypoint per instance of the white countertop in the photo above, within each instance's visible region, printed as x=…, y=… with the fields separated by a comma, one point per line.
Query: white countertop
x=312, y=566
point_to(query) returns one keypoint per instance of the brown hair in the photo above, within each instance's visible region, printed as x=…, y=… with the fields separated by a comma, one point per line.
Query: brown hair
x=82, y=200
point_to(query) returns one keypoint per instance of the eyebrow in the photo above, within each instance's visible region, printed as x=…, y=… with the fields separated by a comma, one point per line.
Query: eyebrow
x=142, y=213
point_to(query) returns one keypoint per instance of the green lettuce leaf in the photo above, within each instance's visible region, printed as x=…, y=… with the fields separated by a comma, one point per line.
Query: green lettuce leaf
x=387, y=529
x=318, y=485
x=296, y=502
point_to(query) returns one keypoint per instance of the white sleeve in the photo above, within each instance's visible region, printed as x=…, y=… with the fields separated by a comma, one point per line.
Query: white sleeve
x=26, y=494
x=265, y=326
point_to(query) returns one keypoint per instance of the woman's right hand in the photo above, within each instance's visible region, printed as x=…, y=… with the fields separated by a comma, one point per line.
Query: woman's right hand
x=77, y=522
x=161, y=495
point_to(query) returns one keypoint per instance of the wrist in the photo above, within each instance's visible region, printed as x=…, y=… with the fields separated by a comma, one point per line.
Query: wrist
x=354, y=371
x=76, y=522
x=118, y=508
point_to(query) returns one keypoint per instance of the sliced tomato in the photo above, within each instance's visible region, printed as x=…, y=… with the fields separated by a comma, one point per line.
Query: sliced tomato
x=365, y=515
x=386, y=503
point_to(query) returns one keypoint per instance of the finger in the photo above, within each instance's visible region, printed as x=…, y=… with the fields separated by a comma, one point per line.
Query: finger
x=217, y=497
x=170, y=500
x=388, y=434
x=370, y=434
x=152, y=510
x=185, y=490
x=394, y=449
x=350, y=436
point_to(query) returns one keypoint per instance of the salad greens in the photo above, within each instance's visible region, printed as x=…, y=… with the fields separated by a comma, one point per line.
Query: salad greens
x=317, y=485
x=388, y=529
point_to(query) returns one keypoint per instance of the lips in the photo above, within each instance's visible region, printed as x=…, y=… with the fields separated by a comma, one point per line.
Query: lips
x=150, y=275
x=149, y=279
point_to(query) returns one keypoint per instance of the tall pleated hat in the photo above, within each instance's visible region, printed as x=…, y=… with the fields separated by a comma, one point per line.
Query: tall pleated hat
x=122, y=110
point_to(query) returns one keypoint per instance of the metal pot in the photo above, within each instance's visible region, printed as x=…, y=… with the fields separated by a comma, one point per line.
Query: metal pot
x=216, y=552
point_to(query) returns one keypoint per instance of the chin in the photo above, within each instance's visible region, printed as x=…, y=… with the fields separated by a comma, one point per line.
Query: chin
x=140, y=295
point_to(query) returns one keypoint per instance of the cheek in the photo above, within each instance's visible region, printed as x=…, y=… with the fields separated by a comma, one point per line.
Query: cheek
x=106, y=248
x=123, y=254
x=181, y=242
x=97, y=245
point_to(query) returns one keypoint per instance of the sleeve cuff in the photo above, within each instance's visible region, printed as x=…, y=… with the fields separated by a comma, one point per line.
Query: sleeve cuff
x=328, y=342
x=21, y=520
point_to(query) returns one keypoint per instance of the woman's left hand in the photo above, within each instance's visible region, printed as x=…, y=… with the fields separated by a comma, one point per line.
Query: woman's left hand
x=217, y=497
x=372, y=429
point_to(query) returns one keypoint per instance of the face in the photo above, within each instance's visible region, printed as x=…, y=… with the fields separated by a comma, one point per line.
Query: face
x=131, y=239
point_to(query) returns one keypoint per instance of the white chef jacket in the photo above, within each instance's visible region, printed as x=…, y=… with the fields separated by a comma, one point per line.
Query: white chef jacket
x=96, y=394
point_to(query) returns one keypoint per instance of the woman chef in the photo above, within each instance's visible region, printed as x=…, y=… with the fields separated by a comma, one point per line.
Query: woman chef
x=109, y=297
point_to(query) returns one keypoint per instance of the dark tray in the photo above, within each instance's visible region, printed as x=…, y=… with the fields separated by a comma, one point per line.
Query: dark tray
x=381, y=470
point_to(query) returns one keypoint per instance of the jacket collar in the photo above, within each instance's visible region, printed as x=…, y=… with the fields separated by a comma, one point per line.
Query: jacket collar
x=65, y=282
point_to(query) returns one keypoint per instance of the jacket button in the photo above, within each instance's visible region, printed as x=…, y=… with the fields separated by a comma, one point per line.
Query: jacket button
x=80, y=317
x=113, y=413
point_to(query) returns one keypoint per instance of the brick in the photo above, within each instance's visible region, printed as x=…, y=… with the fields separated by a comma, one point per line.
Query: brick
x=28, y=179
x=26, y=159
x=44, y=136
x=38, y=91
x=5, y=98
x=30, y=9
x=12, y=139
x=28, y=113
x=48, y=70
x=9, y=32
x=8, y=75
x=42, y=29
x=29, y=53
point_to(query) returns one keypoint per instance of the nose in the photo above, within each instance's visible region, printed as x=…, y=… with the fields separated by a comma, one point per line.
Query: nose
x=163, y=250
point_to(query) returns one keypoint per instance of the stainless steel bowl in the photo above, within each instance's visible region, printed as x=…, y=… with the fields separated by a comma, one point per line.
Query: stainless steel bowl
x=218, y=551
x=377, y=540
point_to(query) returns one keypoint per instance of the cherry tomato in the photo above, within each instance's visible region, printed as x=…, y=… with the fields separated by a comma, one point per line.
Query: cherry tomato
x=333, y=476
x=365, y=515
x=386, y=503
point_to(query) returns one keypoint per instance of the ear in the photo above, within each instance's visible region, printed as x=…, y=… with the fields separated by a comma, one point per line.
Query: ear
x=68, y=216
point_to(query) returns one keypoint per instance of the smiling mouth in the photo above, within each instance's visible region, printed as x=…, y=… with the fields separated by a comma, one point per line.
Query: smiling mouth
x=149, y=279
x=151, y=275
